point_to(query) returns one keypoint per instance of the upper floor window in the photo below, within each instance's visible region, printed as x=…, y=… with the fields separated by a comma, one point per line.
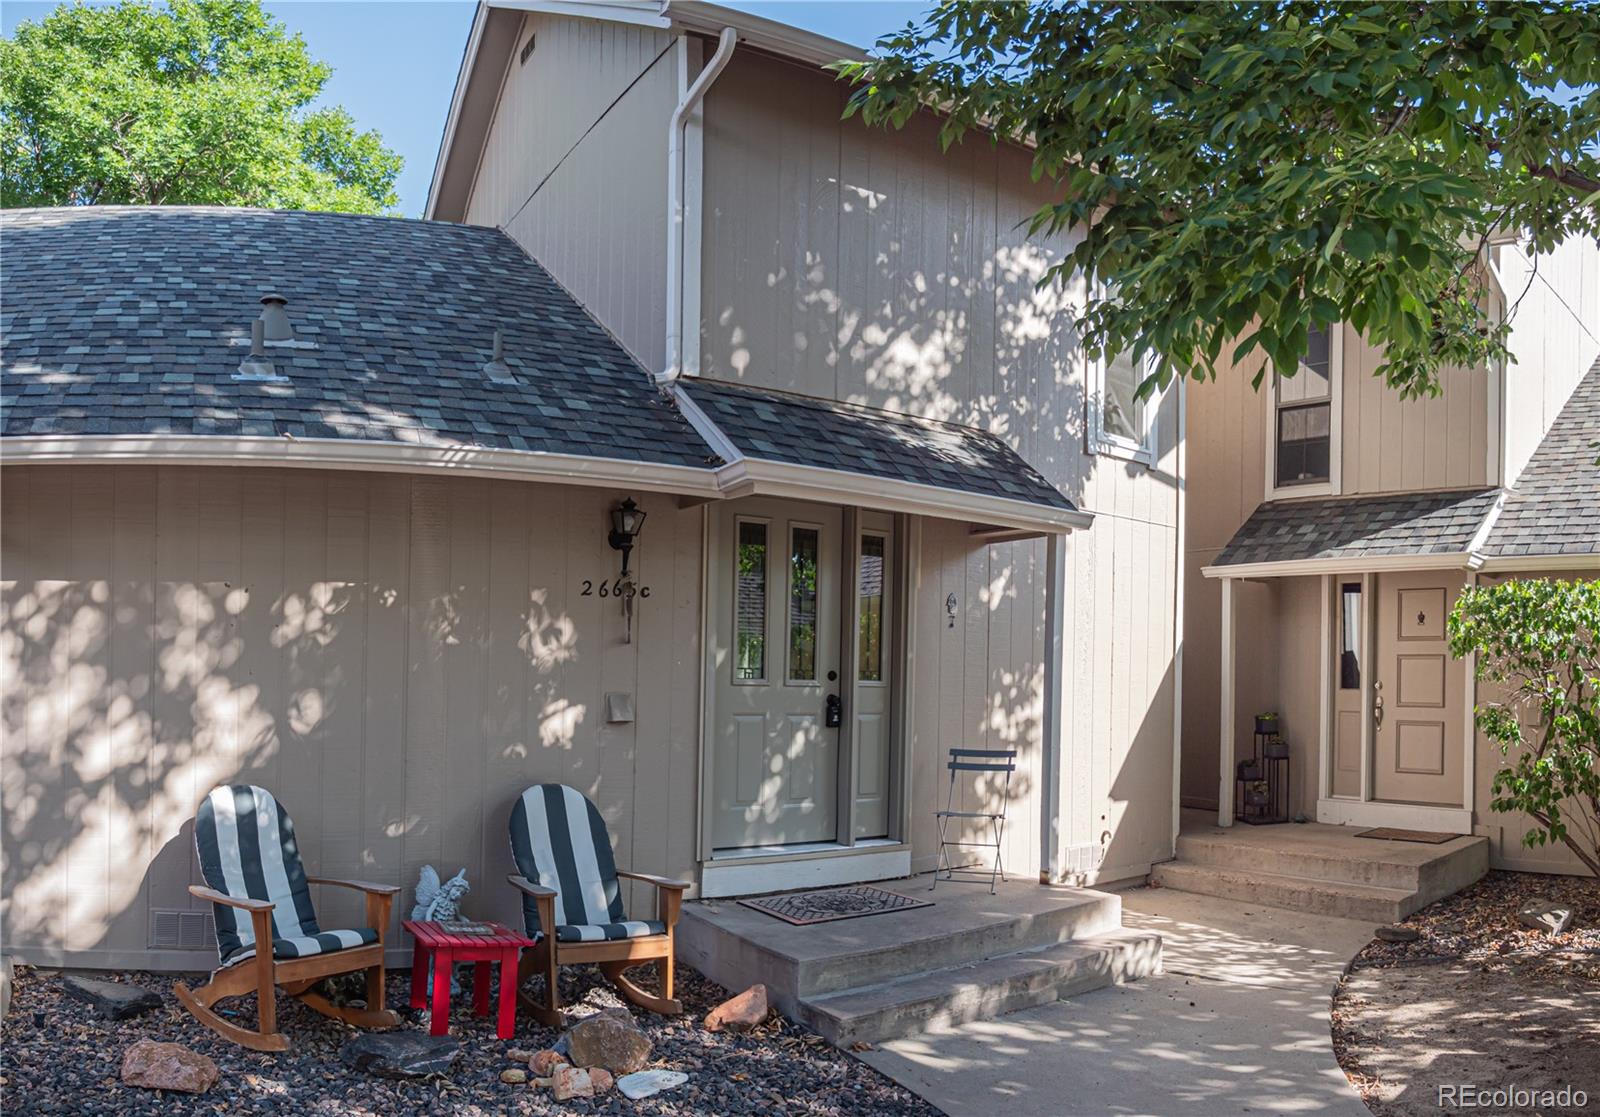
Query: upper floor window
x=1120, y=422
x=1302, y=416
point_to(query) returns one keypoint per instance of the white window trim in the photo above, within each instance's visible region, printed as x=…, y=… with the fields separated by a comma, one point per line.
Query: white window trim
x=1102, y=441
x=1334, y=485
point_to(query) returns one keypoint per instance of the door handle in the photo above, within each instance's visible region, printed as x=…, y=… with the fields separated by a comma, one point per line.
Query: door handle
x=1377, y=710
x=833, y=712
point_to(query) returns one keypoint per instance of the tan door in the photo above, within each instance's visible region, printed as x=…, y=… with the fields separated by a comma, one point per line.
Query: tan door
x=775, y=775
x=1417, y=693
x=1349, y=647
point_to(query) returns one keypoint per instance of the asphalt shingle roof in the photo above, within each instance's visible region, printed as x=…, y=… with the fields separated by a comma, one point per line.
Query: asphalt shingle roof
x=801, y=430
x=121, y=320
x=1554, y=508
x=1357, y=527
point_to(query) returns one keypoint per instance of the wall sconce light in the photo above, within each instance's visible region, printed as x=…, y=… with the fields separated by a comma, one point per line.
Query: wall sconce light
x=950, y=609
x=626, y=520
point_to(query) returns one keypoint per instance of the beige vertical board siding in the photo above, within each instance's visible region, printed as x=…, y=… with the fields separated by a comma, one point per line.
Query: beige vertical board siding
x=575, y=166
x=1299, y=697
x=1555, y=335
x=395, y=657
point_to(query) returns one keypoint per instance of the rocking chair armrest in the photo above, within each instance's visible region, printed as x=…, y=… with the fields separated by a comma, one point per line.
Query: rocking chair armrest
x=659, y=882
x=523, y=884
x=357, y=885
x=200, y=892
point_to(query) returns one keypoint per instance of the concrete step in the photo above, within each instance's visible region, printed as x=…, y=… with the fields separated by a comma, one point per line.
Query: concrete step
x=984, y=989
x=1386, y=868
x=737, y=946
x=1347, y=899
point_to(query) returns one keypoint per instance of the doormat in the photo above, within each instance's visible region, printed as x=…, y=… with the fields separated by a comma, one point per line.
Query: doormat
x=1389, y=833
x=804, y=908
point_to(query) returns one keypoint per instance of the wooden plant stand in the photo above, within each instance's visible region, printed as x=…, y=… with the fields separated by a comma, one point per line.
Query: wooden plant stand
x=446, y=949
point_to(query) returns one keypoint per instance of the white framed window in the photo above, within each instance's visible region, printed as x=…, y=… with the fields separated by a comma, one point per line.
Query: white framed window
x=1303, y=427
x=1120, y=423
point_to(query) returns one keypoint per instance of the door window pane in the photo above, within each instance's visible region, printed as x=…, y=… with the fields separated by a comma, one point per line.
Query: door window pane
x=1350, y=636
x=803, y=605
x=1303, y=444
x=750, y=603
x=869, y=585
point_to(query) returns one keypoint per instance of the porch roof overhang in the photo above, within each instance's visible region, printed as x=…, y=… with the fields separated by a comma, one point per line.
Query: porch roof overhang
x=1410, y=531
x=804, y=448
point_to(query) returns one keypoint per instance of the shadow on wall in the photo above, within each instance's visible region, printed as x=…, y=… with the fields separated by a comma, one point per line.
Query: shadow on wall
x=126, y=702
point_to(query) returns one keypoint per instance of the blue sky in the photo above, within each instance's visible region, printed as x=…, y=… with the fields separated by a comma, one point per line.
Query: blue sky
x=394, y=63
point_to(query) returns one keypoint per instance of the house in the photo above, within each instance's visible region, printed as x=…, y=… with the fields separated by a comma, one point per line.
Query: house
x=364, y=553
x=1331, y=524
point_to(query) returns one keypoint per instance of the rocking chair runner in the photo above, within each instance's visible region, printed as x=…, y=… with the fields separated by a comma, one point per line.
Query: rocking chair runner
x=260, y=894
x=572, y=902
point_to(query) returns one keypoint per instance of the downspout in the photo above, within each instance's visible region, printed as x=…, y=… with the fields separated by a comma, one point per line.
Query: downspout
x=676, y=280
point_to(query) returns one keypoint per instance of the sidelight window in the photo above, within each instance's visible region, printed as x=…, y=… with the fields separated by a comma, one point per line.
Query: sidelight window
x=869, y=586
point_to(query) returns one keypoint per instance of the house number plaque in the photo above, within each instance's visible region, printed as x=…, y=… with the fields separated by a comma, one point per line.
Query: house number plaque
x=617, y=588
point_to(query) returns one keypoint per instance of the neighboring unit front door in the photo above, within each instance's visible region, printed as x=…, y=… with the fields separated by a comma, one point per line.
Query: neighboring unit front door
x=778, y=695
x=1417, y=693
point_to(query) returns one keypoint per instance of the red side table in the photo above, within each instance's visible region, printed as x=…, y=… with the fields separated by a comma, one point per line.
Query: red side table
x=445, y=949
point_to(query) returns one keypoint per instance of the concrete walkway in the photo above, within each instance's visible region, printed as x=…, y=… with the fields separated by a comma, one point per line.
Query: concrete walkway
x=1237, y=1023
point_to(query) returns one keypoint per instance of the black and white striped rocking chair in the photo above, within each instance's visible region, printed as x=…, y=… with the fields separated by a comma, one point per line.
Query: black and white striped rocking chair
x=572, y=902
x=261, y=894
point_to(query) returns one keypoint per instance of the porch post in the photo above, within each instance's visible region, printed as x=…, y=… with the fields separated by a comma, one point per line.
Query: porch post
x=1055, y=596
x=1226, y=728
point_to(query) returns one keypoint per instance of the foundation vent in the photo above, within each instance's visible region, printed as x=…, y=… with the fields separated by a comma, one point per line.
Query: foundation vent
x=172, y=929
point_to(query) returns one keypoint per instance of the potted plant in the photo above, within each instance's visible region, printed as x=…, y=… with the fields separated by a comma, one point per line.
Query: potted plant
x=1267, y=722
x=1276, y=748
x=1250, y=769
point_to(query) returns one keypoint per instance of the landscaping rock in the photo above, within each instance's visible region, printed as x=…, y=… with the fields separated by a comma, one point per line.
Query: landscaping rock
x=111, y=1000
x=571, y=1082
x=649, y=1083
x=401, y=1054
x=609, y=1039
x=168, y=1066
x=513, y=1076
x=601, y=1078
x=1552, y=919
x=741, y=1013
x=544, y=1063
x=519, y=1055
x=1393, y=932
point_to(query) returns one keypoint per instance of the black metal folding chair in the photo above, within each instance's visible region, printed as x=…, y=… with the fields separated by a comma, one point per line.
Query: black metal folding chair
x=974, y=760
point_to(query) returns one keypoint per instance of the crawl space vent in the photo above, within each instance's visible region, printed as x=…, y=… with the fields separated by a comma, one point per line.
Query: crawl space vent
x=182, y=930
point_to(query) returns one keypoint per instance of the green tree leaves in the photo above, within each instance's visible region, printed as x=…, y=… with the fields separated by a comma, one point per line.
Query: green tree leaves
x=1537, y=644
x=1272, y=167
x=196, y=102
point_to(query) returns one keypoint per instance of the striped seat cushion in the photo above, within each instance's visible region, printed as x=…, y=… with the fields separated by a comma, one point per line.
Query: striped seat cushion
x=323, y=942
x=559, y=840
x=247, y=850
x=599, y=932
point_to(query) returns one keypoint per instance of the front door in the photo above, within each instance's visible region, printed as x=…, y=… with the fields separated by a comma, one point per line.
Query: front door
x=1417, y=693
x=778, y=697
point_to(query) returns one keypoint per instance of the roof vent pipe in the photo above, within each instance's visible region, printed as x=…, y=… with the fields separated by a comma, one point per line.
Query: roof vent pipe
x=677, y=281
x=275, y=319
x=496, y=369
x=256, y=366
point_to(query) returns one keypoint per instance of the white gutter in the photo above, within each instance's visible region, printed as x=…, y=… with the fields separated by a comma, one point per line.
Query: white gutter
x=1355, y=564
x=677, y=280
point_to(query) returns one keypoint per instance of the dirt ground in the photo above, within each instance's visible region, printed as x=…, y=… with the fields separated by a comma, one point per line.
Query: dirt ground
x=1478, y=1000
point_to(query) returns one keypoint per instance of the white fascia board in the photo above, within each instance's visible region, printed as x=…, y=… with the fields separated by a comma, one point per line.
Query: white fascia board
x=335, y=453
x=1292, y=568
x=832, y=486
x=469, y=59
x=638, y=13
x=755, y=31
x=1508, y=564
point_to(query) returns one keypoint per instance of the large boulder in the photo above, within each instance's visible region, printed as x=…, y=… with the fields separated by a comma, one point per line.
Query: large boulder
x=401, y=1054
x=168, y=1066
x=111, y=1000
x=609, y=1039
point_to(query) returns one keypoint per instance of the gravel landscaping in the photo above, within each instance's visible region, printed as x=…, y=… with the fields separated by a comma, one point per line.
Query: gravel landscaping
x=1478, y=999
x=61, y=1059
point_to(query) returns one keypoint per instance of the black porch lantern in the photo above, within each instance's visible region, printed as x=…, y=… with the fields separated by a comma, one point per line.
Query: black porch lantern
x=626, y=520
